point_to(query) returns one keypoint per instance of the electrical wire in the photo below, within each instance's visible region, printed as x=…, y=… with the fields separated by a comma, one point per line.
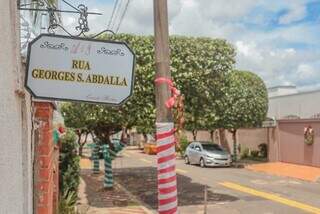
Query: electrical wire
x=116, y=15
x=113, y=10
x=123, y=14
x=70, y=5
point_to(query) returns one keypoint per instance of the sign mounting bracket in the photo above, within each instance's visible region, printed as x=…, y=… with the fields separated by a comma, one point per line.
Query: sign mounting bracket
x=54, y=19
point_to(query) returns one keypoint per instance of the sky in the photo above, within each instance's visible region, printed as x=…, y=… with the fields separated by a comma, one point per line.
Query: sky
x=277, y=39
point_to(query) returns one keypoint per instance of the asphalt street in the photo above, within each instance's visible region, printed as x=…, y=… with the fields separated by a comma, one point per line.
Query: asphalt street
x=230, y=190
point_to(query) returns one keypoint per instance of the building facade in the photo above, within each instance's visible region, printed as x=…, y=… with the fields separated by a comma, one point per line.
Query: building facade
x=286, y=102
x=16, y=188
x=28, y=181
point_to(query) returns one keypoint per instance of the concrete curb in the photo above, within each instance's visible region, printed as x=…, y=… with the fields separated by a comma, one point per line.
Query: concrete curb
x=143, y=205
x=238, y=165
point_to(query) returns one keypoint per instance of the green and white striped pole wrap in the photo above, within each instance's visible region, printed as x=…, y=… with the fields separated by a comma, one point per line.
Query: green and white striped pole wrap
x=235, y=152
x=108, y=176
x=113, y=154
x=95, y=158
x=119, y=146
x=122, y=145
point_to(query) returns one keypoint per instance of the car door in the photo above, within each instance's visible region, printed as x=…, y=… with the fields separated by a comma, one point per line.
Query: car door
x=191, y=153
x=197, y=153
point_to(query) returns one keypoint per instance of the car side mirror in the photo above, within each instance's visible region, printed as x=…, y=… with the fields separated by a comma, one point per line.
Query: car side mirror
x=198, y=149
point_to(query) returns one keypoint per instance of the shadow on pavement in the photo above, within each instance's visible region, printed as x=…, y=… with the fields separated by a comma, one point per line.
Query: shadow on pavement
x=142, y=183
x=99, y=197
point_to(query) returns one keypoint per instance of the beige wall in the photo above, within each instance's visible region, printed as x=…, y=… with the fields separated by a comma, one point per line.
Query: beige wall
x=201, y=135
x=273, y=144
x=248, y=138
x=252, y=138
x=15, y=121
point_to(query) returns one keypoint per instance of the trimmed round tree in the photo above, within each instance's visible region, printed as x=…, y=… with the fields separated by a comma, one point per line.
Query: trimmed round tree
x=199, y=67
x=245, y=104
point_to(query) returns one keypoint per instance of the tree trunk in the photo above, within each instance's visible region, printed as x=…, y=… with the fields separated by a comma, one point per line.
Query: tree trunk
x=145, y=138
x=212, y=135
x=81, y=144
x=144, y=141
x=108, y=141
x=235, y=150
x=194, y=133
x=80, y=149
x=124, y=135
x=223, y=141
x=79, y=134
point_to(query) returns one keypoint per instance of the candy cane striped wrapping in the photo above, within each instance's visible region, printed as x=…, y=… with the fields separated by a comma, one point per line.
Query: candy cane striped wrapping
x=95, y=157
x=167, y=181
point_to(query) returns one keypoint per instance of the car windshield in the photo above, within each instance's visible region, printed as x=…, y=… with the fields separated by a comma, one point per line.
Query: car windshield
x=212, y=147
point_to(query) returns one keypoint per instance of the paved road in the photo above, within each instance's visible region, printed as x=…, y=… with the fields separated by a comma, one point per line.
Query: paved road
x=230, y=190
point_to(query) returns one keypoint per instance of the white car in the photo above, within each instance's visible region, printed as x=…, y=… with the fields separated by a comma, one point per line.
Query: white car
x=206, y=154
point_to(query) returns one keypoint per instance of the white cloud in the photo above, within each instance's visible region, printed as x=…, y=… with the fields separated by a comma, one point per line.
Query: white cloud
x=279, y=66
x=296, y=12
x=306, y=70
x=269, y=53
x=249, y=51
x=226, y=10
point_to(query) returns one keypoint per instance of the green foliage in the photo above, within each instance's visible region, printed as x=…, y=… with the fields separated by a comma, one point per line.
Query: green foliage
x=254, y=153
x=246, y=101
x=198, y=67
x=245, y=153
x=183, y=145
x=69, y=163
x=67, y=202
x=263, y=150
x=76, y=115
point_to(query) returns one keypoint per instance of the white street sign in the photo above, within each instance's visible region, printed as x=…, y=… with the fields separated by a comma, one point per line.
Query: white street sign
x=79, y=69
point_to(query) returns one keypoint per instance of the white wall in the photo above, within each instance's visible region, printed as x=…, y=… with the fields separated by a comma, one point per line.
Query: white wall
x=282, y=90
x=15, y=152
x=304, y=105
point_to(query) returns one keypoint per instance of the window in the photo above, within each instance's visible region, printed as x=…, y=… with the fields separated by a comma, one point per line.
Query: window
x=197, y=147
x=212, y=147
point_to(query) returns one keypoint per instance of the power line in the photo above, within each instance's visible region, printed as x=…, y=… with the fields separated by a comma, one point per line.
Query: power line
x=116, y=14
x=123, y=14
x=113, y=10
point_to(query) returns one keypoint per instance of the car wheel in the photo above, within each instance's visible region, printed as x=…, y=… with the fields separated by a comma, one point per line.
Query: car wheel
x=186, y=160
x=202, y=163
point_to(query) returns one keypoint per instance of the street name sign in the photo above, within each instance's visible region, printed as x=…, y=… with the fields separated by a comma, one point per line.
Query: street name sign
x=79, y=69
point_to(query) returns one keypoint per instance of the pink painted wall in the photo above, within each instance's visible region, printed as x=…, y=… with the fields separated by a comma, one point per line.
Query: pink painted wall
x=292, y=148
x=248, y=138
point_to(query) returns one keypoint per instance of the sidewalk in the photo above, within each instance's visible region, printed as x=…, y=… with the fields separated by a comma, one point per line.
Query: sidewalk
x=94, y=199
x=302, y=172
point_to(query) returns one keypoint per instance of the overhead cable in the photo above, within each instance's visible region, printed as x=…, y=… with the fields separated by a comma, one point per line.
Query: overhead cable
x=122, y=17
x=116, y=15
x=112, y=15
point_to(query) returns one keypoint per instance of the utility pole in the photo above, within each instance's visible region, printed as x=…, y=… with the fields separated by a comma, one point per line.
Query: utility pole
x=167, y=183
x=162, y=57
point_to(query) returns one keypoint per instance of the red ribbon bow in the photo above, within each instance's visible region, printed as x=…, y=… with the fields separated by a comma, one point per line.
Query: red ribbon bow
x=174, y=91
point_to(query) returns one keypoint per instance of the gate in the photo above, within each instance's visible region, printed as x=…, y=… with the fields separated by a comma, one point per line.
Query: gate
x=292, y=145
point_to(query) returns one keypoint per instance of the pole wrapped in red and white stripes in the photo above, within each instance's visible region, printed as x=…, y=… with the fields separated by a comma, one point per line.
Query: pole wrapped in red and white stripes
x=167, y=180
